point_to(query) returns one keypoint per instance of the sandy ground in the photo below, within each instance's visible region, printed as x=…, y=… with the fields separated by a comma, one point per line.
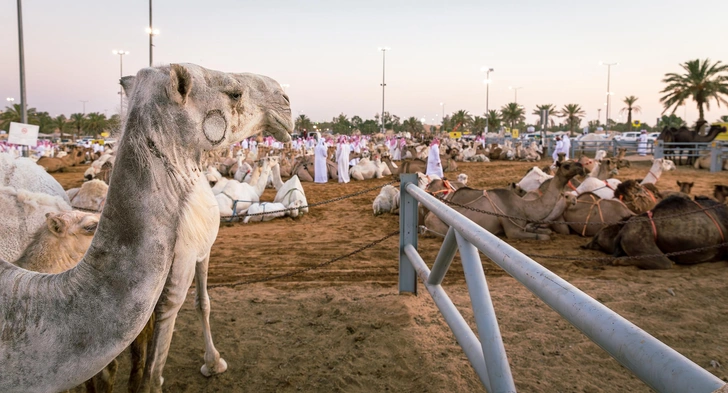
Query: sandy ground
x=344, y=327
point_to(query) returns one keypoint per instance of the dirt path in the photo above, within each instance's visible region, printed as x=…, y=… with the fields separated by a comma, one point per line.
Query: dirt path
x=343, y=327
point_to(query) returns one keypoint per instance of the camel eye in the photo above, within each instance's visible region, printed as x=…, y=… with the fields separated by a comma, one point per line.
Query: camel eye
x=235, y=95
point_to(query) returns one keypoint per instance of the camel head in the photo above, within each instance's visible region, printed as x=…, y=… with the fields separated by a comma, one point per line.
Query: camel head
x=266, y=107
x=569, y=169
x=204, y=110
x=685, y=187
x=587, y=163
x=295, y=205
x=74, y=229
x=664, y=164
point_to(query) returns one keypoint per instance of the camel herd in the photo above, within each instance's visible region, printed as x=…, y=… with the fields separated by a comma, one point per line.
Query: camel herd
x=633, y=220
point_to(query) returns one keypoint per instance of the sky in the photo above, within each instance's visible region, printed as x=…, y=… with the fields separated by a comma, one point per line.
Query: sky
x=327, y=51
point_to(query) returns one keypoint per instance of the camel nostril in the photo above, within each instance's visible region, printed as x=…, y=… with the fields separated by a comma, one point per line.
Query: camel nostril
x=288, y=100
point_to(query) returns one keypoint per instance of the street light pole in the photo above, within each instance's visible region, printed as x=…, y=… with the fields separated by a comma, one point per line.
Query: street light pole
x=609, y=93
x=151, y=33
x=121, y=54
x=384, y=51
x=599, y=116
x=487, y=70
x=23, y=98
x=84, y=106
x=515, y=89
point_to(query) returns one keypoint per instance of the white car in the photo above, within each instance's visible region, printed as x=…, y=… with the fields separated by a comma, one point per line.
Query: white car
x=627, y=137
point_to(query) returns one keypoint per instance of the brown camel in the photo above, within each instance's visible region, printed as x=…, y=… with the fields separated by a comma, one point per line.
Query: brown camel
x=660, y=231
x=505, y=202
x=684, y=135
x=413, y=166
x=392, y=168
x=54, y=164
x=603, y=240
x=591, y=209
x=685, y=187
x=636, y=197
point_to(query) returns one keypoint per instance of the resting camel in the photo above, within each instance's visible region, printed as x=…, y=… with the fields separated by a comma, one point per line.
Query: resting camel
x=153, y=236
x=659, y=165
x=23, y=174
x=55, y=164
x=685, y=187
x=501, y=201
x=658, y=232
x=589, y=208
x=91, y=195
x=638, y=198
x=603, y=240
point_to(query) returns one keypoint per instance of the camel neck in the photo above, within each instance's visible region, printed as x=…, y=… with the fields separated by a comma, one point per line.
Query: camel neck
x=545, y=203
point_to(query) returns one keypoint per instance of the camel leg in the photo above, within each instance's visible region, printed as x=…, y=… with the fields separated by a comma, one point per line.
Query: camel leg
x=514, y=232
x=214, y=364
x=138, y=350
x=168, y=305
x=103, y=382
x=642, y=245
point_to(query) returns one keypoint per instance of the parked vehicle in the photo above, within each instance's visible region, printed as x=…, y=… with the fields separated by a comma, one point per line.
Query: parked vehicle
x=627, y=137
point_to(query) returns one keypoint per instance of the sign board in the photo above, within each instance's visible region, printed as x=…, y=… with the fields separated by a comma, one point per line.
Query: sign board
x=23, y=134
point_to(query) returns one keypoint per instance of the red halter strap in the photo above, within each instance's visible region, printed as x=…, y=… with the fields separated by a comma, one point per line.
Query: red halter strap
x=654, y=228
x=712, y=219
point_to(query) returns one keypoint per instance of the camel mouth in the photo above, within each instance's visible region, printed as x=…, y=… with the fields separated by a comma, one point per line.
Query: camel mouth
x=279, y=127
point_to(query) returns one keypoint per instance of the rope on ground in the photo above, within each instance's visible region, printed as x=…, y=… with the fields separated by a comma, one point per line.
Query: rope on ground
x=307, y=269
x=547, y=222
x=340, y=198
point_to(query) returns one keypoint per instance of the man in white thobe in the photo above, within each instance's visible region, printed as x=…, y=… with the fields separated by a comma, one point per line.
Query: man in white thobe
x=642, y=144
x=342, y=160
x=558, y=149
x=434, y=166
x=319, y=165
x=566, y=148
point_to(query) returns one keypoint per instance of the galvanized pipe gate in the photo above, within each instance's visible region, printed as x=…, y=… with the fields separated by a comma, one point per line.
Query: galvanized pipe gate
x=656, y=364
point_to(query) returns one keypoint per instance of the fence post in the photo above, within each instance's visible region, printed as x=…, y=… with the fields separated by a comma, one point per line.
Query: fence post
x=659, y=149
x=407, y=233
x=716, y=164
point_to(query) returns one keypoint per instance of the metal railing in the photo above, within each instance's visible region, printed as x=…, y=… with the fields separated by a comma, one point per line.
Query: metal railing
x=718, y=151
x=656, y=364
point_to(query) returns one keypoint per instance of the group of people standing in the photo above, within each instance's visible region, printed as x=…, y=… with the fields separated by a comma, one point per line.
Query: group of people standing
x=344, y=146
x=563, y=145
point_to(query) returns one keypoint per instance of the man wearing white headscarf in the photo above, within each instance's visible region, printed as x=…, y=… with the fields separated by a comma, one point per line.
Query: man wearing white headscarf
x=342, y=160
x=319, y=165
x=566, y=145
x=434, y=166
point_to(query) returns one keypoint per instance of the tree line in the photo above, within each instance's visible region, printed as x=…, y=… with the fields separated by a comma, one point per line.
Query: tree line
x=77, y=124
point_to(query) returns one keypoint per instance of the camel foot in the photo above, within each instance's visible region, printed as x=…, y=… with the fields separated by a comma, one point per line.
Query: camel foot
x=218, y=368
x=543, y=237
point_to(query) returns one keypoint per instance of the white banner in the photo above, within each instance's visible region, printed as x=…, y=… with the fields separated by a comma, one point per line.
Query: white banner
x=23, y=134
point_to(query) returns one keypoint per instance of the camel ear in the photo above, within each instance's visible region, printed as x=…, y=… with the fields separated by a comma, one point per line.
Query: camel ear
x=56, y=224
x=127, y=84
x=678, y=183
x=180, y=84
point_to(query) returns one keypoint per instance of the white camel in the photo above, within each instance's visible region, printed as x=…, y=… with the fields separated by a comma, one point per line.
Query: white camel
x=90, y=196
x=602, y=188
x=387, y=201
x=266, y=211
x=659, y=165
x=533, y=179
x=24, y=174
x=366, y=169
x=144, y=242
x=237, y=196
x=292, y=191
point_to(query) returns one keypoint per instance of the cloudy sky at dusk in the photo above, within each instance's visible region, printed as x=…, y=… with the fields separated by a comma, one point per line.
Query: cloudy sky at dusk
x=326, y=51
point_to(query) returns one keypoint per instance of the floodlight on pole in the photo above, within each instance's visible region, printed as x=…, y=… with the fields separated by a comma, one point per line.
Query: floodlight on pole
x=121, y=54
x=487, y=81
x=384, y=52
x=152, y=32
x=21, y=56
x=609, y=92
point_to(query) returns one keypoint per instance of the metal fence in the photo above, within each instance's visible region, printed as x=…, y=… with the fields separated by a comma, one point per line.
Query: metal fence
x=655, y=363
x=676, y=151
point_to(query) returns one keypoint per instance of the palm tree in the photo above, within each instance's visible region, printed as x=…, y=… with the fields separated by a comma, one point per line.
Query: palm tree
x=43, y=120
x=478, y=124
x=513, y=114
x=356, y=122
x=413, y=125
x=60, y=123
x=341, y=124
x=114, y=124
x=303, y=123
x=573, y=114
x=550, y=114
x=702, y=82
x=78, y=122
x=12, y=114
x=631, y=107
x=460, y=119
x=672, y=121
x=494, y=120
x=96, y=123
